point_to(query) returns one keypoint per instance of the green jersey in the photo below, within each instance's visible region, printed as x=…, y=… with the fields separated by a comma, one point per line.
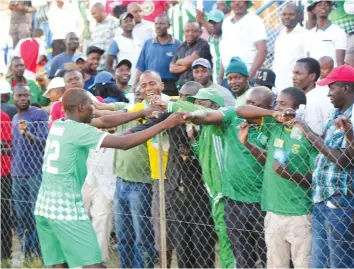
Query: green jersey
x=341, y=18
x=242, y=174
x=283, y=196
x=64, y=169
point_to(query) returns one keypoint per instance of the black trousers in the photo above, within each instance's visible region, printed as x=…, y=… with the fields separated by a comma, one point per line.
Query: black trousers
x=194, y=236
x=170, y=88
x=6, y=223
x=245, y=226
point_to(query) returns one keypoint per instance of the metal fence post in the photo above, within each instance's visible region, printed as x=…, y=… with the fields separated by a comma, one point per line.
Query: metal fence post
x=163, y=257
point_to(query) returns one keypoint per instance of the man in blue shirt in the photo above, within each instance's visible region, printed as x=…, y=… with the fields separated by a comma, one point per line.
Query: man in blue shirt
x=29, y=129
x=157, y=55
x=65, y=60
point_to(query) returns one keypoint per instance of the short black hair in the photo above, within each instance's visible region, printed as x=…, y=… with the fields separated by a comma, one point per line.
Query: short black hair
x=194, y=21
x=37, y=32
x=69, y=72
x=73, y=98
x=109, y=90
x=165, y=17
x=296, y=94
x=193, y=85
x=20, y=86
x=343, y=83
x=312, y=66
x=119, y=10
x=15, y=58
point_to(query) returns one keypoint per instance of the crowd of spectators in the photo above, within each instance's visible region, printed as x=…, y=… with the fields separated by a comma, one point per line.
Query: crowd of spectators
x=224, y=181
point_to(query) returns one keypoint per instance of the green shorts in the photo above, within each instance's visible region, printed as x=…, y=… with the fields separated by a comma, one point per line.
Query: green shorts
x=73, y=242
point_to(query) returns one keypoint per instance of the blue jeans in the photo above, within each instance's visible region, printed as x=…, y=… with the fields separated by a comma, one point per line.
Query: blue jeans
x=132, y=208
x=333, y=233
x=24, y=195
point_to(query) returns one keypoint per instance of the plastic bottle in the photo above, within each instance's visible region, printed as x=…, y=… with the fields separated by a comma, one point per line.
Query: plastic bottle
x=296, y=132
x=281, y=156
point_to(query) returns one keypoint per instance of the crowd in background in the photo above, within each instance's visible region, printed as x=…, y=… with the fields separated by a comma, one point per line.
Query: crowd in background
x=223, y=181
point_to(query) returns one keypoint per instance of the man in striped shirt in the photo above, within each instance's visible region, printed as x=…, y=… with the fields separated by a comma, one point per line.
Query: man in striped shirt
x=104, y=30
x=215, y=19
x=181, y=12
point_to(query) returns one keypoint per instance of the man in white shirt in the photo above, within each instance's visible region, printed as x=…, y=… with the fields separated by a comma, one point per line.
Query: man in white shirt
x=326, y=39
x=244, y=35
x=318, y=106
x=64, y=17
x=143, y=30
x=97, y=194
x=124, y=46
x=289, y=46
x=104, y=30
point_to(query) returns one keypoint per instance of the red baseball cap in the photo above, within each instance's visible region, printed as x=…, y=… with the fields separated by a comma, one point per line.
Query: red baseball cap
x=343, y=73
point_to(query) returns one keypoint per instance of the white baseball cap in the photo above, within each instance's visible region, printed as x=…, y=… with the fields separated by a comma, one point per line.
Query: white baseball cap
x=5, y=87
x=56, y=82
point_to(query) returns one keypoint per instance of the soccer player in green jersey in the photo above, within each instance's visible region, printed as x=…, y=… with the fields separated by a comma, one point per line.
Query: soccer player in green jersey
x=286, y=193
x=234, y=187
x=65, y=232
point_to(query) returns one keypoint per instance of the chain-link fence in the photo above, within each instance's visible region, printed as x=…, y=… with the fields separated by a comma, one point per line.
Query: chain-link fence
x=226, y=203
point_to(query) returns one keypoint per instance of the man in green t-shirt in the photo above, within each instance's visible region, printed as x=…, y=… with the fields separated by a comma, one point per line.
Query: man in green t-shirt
x=286, y=193
x=65, y=232
x=227, y=178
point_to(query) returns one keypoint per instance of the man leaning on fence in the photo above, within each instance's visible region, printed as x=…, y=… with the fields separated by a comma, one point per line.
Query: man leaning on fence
x=286, y=192
x=241, y=191
x=187, y=203
x=29, y=130
x=333, y=187
x=209, y=148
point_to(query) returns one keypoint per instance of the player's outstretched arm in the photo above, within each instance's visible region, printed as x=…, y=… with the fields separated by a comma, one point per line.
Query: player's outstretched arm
x=204, y=117
x=119, y=118
x=129, y=141
x=103, y=106
x=253, y=112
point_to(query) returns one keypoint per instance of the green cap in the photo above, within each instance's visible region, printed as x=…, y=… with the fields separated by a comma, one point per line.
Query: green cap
x=211, y=94
x=228, y=3
x=216, y=15
x=236, y=65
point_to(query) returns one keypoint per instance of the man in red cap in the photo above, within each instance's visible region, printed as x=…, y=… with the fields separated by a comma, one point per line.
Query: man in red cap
x=332, y=179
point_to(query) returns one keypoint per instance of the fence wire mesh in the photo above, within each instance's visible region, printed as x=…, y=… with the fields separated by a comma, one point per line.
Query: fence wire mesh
x=224, y=207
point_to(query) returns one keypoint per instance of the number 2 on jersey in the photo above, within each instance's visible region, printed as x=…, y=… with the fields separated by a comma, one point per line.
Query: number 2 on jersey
x=52, y=151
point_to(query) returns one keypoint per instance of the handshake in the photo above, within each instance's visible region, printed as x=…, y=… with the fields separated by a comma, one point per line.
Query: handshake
x=158, y=107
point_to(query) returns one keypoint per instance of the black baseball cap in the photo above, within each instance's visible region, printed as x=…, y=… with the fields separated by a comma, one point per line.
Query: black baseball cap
x=92, y=49
x=265, y=77
x=125, y=61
